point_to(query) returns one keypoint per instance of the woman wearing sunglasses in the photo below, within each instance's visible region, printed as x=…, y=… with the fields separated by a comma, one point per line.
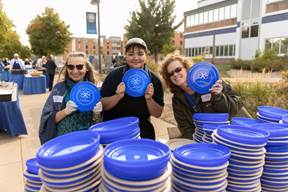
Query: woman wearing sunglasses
x=117, y=103
x=186, y=102
x=60, y=114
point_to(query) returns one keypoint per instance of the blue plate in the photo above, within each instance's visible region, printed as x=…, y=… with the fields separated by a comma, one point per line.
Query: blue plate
x=32, y=166
x=69, y=149
x=210, y=117
x=271, y=112
x=244, y=121
x=242, y=134
x=285, y=119
x=85, y=95
x=136, y=159
x=136, y=82
x=202, y=154
x=202, y=76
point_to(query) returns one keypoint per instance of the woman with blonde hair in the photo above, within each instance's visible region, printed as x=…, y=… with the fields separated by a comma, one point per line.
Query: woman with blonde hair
x=186, y=102
x=60, y=114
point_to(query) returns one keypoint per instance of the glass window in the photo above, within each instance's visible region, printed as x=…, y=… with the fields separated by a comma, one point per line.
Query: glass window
x=230, y=50
x=200, y=18
x=221, y=50
x=284, y=46
x=233, y=10
x=227, y=12
x=218, y=51
x=226, y=50
x=196, y=19
x=188, y=24
x=206, y=17
x=211, y=50
x=216, y=14
x=221, y=13
x=276, y=45
x=186, y=52
x=268, y=44
x=254, y=31
x=245, y=32
x=192, y=20
x=210, y=15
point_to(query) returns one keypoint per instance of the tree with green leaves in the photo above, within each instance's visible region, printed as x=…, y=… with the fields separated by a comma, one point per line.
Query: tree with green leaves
x=153, y=23
x=48, y=34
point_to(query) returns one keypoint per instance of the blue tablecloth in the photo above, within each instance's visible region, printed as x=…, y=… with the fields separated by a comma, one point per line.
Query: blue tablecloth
x=4, y=75
x=11, y=119
x=34, y=85
x=17, y=78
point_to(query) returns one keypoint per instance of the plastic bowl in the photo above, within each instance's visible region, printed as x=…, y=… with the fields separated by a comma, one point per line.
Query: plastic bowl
x=275, y=129
x=32, y=166
x=69, y=149
x=244, y=121
x=271, y=112
x=136, y=159
x=213, y=117
x=203, y=154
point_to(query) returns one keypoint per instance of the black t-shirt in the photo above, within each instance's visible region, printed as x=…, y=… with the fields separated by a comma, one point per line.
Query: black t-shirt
x=131, y=106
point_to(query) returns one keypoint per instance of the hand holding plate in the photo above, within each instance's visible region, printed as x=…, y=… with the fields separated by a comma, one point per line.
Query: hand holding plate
x=217, y=88
x=149, y=91
x=121, y=90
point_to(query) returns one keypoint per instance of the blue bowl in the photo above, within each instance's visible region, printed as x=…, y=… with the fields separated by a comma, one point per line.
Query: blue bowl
x=244, y=121
x=272, y=112
x=32, y=166
x=213, y=117
x=285, y=119
x=242, y=134
x=275, y=129
x=69, y=149
x=202, y=154
x=136, y=159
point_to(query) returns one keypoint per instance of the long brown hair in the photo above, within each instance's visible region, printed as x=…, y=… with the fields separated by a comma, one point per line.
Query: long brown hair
x=164, y=71
x=90, y=74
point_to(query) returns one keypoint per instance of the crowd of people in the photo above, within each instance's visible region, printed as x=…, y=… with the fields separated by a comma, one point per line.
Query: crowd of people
x=60, y=114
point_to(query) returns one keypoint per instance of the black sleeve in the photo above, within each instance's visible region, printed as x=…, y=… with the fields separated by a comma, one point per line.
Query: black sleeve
x=158, y=90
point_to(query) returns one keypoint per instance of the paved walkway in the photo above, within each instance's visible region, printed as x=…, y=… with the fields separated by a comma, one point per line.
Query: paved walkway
x=15, y=151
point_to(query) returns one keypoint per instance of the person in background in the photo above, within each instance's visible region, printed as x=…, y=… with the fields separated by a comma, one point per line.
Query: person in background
x=27, y=62
x=117, y=104
x=186, y=102
x=50, y=70
x=16, y=63
x=60, y=114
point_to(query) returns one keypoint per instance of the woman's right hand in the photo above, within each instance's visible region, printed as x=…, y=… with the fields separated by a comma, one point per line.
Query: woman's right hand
x=70, y=107
x=121, y=90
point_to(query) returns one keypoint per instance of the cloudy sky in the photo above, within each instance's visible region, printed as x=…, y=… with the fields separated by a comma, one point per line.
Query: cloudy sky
x=113, y=14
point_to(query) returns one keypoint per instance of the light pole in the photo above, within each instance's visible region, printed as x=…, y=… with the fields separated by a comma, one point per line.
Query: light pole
x=97, y=2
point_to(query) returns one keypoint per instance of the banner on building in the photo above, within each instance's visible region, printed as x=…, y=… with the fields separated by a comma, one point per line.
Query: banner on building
x=91, y=23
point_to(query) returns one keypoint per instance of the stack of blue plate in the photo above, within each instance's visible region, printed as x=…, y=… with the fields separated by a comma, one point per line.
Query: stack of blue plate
x=215, y=119
x=247, y=155
x=200, y=167
x=71, y=162
x=117, y=129
x=32, y=180
x=275, y=174
x=270, y=113
x=136, y=165
x=244, y=121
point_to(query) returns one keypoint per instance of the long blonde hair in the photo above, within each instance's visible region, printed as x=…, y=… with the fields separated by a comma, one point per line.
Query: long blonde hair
x=90, y=74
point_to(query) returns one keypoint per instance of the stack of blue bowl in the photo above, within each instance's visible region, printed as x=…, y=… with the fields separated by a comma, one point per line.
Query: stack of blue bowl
x=32, y=180
x=275, y=174
x=215, y=119
x=200, y=167
x=117, y=129
x=71, y=162
x=247, y=155
x=270, y=113
x=136, y=165
x=244, y=121
x=208, y=131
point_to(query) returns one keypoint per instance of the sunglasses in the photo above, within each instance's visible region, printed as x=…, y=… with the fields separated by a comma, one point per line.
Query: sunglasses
x=72, y=67
x=177, y=70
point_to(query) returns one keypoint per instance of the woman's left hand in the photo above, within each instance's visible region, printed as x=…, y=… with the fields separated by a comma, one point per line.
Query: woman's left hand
x=98, y=108
x=149, y=91
x=217, y=88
